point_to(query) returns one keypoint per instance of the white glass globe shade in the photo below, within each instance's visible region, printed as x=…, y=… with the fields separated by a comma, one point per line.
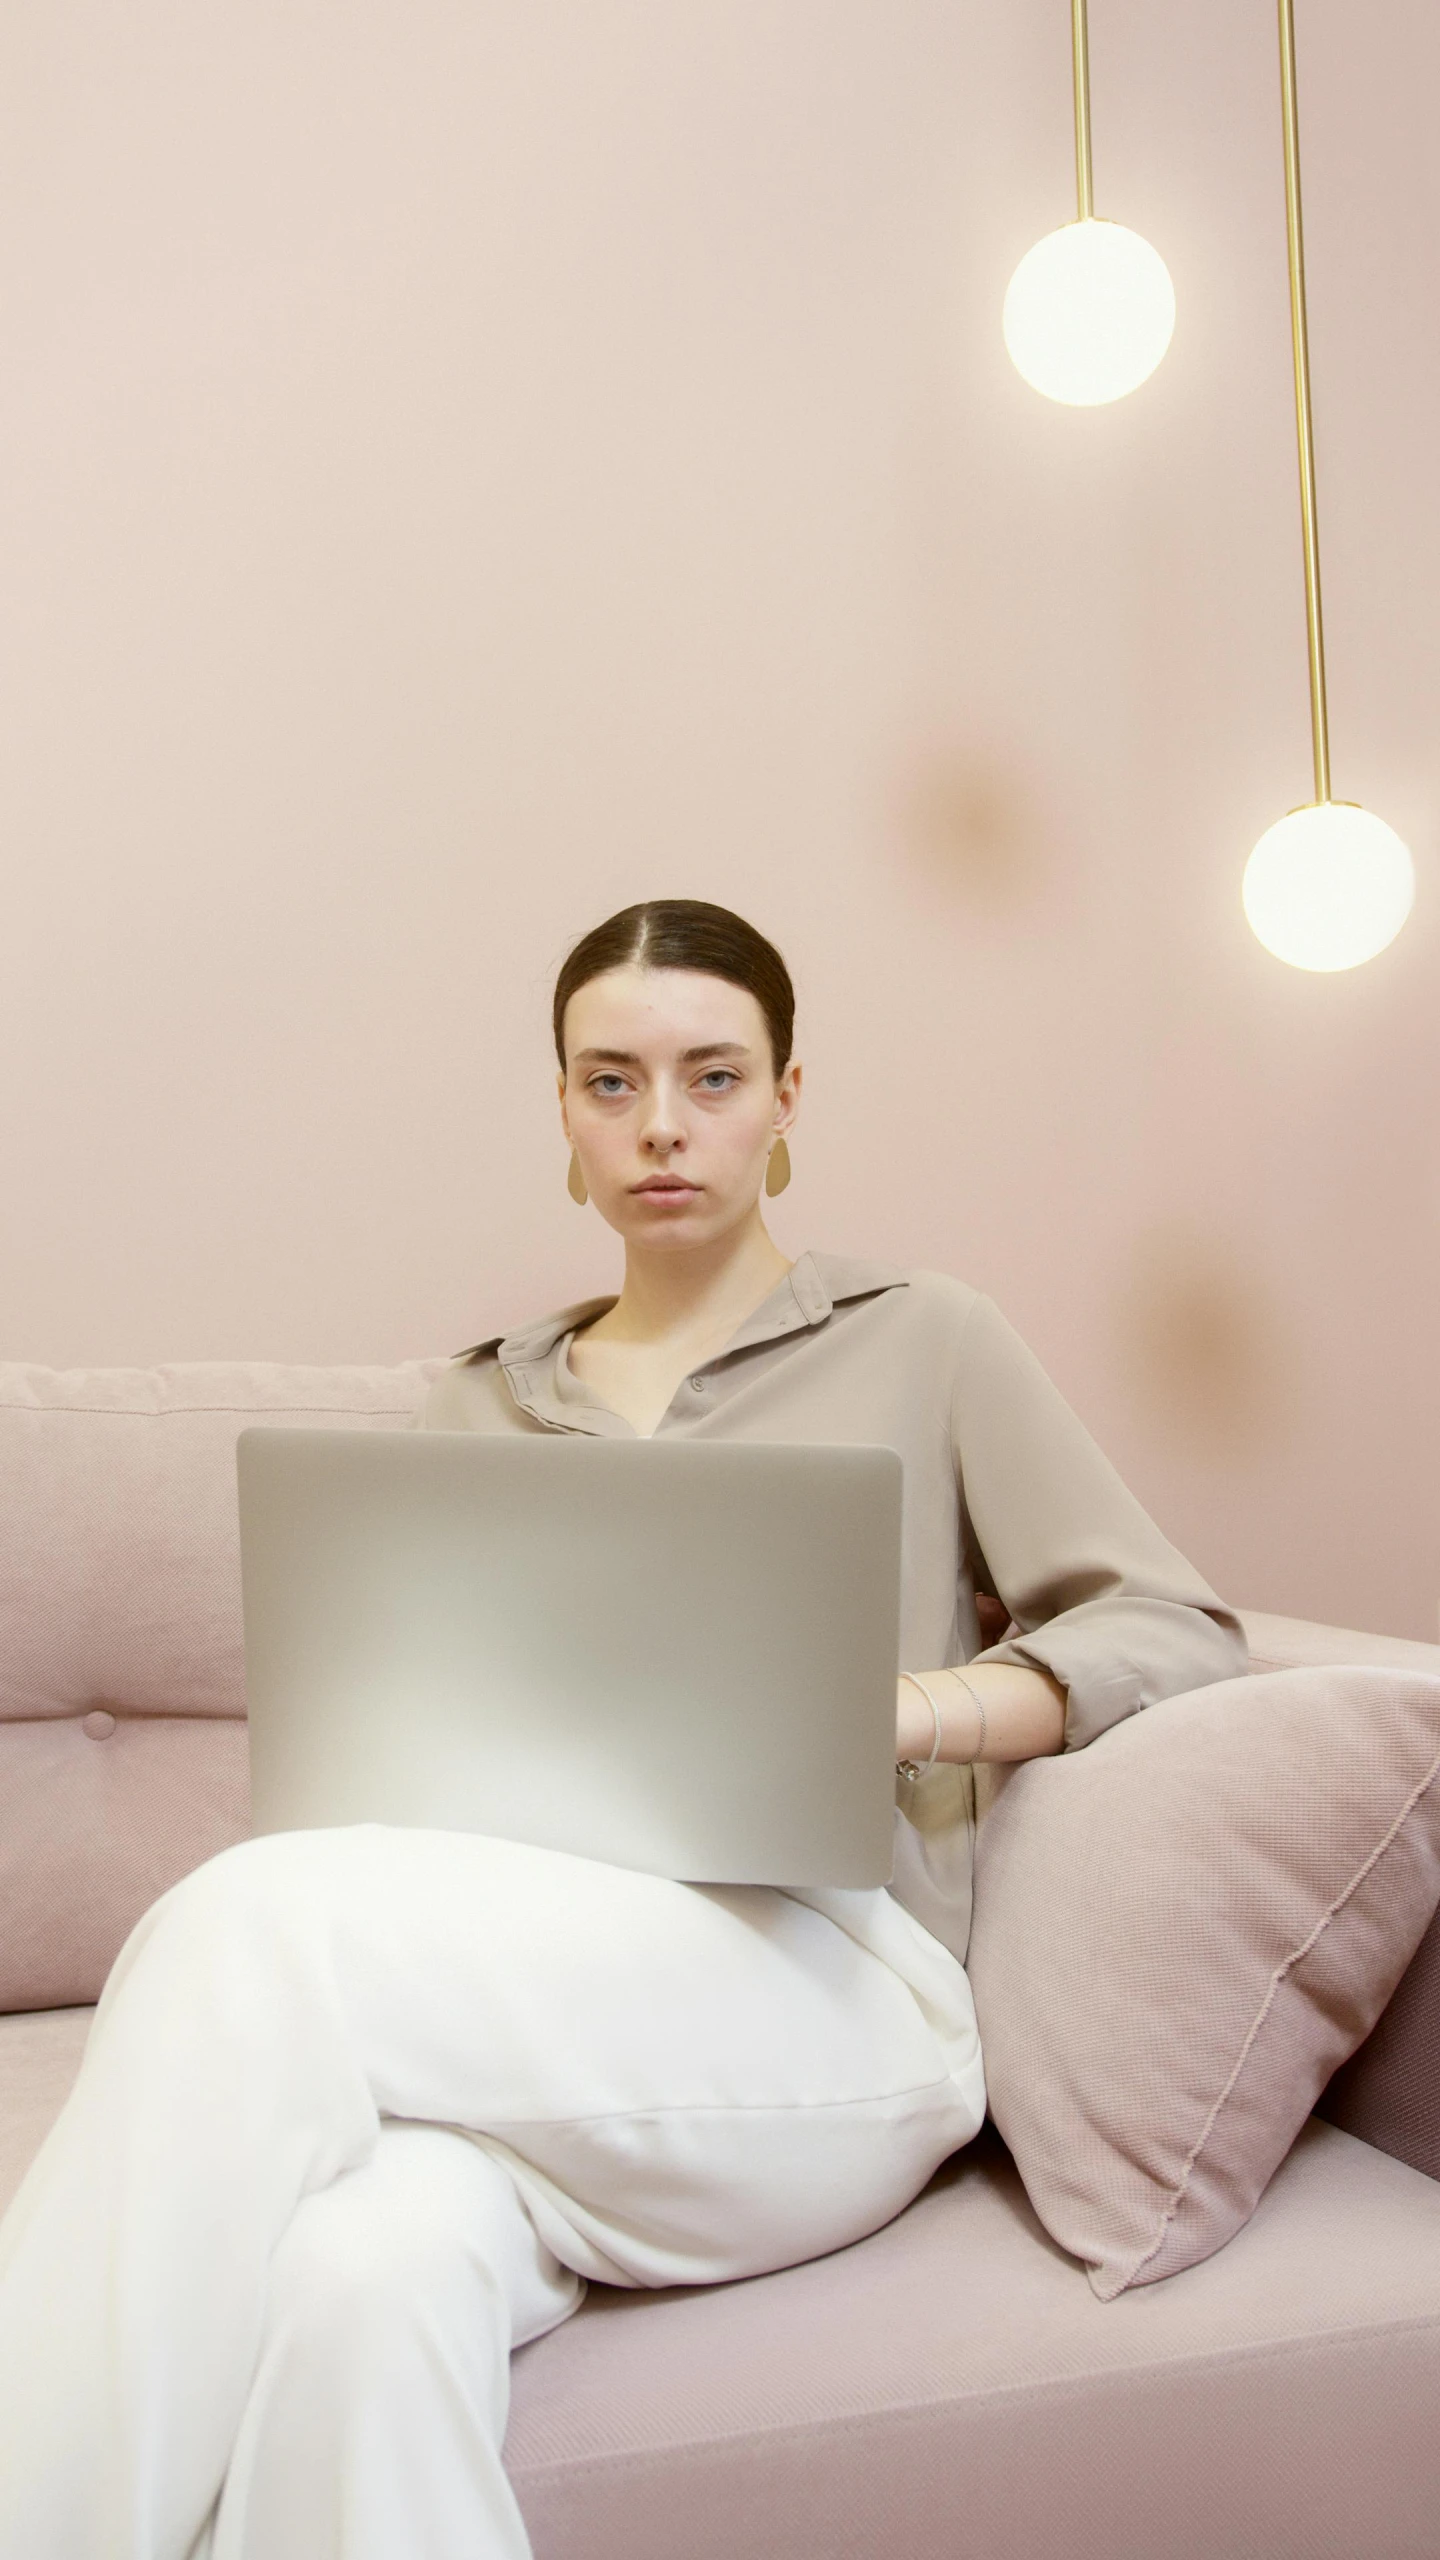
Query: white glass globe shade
x=1328, y=886
x=1089, y=312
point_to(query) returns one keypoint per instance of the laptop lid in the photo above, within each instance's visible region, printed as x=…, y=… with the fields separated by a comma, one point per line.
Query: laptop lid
x=679, y=1657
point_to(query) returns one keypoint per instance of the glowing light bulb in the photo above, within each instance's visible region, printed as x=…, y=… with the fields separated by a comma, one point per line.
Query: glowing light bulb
x=1089, y=312
x=1328, y=886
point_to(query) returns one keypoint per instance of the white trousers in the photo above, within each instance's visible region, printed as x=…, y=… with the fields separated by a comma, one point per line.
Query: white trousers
x=359, y=2112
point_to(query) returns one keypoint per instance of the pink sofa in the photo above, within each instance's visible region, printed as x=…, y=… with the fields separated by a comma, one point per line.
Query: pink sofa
x=949, y=2387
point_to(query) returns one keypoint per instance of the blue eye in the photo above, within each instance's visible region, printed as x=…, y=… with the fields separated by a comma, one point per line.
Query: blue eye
x=608, y=1084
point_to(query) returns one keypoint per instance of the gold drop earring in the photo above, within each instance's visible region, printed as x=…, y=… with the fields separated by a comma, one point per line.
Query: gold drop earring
x=777, y=1171
x=575, y=1183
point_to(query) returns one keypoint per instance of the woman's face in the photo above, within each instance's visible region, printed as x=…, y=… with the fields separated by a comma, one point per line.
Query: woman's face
x=670, y=1083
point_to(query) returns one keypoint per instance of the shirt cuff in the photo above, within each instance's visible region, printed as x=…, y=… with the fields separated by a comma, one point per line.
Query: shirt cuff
x=1114, y=1657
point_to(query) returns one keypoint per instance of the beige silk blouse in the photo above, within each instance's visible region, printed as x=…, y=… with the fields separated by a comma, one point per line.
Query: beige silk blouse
x=1005, y=1492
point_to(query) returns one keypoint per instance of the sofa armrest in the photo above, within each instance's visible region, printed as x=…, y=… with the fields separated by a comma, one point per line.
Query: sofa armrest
x=1289, y=1644
x=1389, y=2091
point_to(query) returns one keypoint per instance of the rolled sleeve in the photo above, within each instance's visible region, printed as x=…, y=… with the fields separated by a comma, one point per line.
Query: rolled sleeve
x=1099, y=1598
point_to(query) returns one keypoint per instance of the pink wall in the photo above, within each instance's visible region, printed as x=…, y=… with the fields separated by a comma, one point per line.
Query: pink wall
x=468, y=467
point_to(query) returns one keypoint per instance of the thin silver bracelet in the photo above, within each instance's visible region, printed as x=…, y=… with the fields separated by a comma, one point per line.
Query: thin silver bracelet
x=914, y=1768
x=979, y=1750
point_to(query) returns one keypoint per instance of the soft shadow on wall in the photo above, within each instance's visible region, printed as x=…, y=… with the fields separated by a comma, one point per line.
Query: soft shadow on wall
x=1206, y=1346
x=969, y=816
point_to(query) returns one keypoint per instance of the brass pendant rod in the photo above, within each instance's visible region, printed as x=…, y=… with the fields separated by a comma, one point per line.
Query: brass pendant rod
x=1304, y=429
x=1080, y=48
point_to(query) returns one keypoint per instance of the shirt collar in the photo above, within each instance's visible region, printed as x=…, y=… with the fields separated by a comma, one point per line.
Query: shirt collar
x=809, y=1291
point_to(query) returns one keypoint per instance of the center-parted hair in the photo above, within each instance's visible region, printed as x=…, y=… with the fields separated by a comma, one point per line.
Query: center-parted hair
x=685, y=933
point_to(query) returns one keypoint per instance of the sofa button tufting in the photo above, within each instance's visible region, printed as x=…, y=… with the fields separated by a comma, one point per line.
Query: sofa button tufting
x=98, y=1725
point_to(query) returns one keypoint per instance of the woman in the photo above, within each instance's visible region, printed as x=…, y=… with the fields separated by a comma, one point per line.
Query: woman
x=363, y=2108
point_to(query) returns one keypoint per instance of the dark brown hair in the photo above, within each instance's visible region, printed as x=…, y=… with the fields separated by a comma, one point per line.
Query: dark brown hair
x=685, y=933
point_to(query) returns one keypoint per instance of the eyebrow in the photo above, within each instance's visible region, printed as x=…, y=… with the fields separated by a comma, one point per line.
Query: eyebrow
x=688, y=1057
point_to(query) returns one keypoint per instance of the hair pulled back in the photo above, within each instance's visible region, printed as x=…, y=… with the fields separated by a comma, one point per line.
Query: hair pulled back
x=685, y=933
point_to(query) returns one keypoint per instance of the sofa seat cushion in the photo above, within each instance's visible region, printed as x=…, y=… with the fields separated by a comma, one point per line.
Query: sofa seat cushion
x=952, y=2385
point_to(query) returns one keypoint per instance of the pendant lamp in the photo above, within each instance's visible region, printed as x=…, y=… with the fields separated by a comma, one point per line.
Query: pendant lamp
x=1090, y=309
x=1328, y=885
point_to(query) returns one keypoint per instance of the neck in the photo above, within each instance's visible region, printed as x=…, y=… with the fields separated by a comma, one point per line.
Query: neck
x=708, y=1290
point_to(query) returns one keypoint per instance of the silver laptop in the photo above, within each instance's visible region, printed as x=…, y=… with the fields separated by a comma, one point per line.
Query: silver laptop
x=678, y=1657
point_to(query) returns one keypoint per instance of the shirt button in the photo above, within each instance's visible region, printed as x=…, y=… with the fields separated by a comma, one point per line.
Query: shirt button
x=699, y=1385
x=98, y=1725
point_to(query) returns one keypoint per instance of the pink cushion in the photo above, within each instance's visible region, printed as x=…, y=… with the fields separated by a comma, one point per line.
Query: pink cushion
x=1181, y=1931
x=122, y=1753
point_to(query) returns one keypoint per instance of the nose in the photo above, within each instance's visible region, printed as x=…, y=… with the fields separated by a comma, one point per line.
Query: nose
x=662, y=1127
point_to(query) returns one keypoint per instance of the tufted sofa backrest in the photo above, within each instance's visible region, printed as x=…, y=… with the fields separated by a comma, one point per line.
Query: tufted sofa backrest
x=122, y=1689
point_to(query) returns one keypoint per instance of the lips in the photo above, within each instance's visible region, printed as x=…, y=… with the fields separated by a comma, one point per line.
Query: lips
x=667, y=1190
